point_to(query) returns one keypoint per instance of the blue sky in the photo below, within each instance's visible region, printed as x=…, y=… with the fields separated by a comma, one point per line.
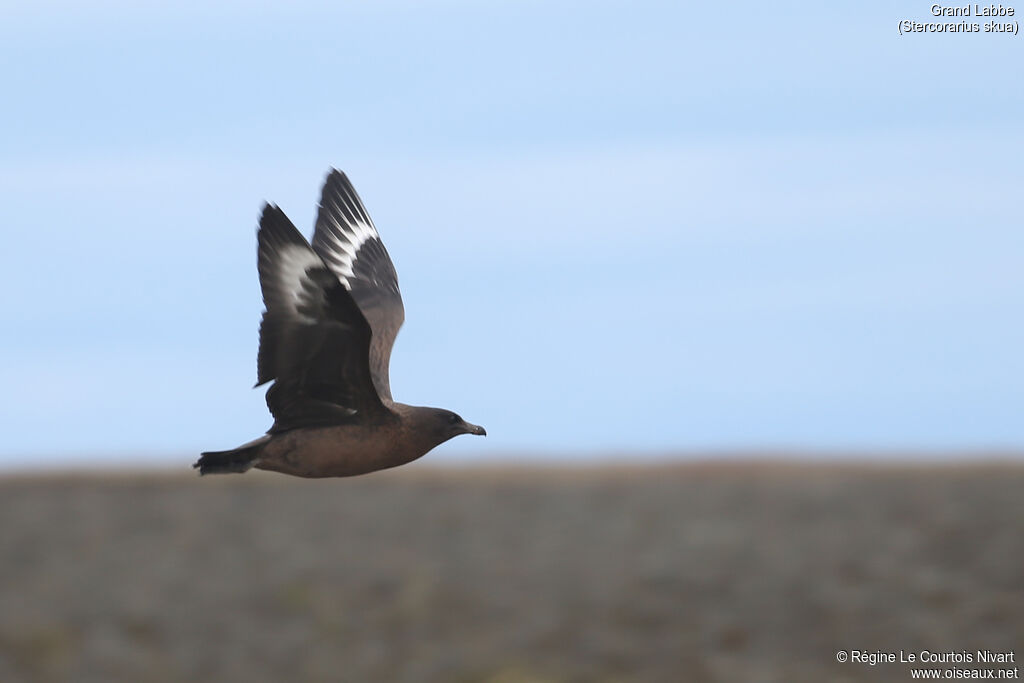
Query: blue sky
x=619, y=227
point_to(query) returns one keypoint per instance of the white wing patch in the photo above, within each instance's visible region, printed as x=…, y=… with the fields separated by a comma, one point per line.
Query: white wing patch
x=293, y=262
x=345, y=241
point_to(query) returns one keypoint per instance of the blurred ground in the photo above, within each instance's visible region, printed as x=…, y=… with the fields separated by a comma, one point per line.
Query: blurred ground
x=731, y=572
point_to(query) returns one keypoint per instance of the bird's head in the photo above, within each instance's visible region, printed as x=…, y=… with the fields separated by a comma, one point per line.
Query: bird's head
x=444, y=424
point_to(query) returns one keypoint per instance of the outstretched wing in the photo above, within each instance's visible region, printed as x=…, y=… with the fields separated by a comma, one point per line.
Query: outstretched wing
x=314, y=340
x=347, y=241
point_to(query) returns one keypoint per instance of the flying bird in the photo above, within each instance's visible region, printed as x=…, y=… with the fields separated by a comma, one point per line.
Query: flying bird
x=333, y=310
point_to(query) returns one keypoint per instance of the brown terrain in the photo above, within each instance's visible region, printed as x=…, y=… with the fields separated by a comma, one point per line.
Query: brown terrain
x=733, y=571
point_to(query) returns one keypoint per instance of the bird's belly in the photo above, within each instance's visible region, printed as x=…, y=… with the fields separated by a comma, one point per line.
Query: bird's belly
x=344, y=451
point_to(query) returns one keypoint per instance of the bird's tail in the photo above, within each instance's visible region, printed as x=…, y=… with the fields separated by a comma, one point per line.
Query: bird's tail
x=236, y=460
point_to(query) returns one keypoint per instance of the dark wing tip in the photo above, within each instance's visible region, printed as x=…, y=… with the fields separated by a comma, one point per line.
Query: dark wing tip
x=338, y=183
x=276, y=229
x=271, y=214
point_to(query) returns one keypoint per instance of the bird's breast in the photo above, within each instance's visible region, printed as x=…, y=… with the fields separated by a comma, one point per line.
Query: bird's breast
x=339, y=451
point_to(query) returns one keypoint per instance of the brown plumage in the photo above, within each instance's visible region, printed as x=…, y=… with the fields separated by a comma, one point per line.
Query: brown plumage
x=333, y=310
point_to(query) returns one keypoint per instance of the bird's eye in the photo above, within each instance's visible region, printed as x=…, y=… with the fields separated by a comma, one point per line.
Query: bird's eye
x=453, y=419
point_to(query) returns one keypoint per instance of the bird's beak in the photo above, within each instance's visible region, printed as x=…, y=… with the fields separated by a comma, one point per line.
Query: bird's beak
x=474, y=429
